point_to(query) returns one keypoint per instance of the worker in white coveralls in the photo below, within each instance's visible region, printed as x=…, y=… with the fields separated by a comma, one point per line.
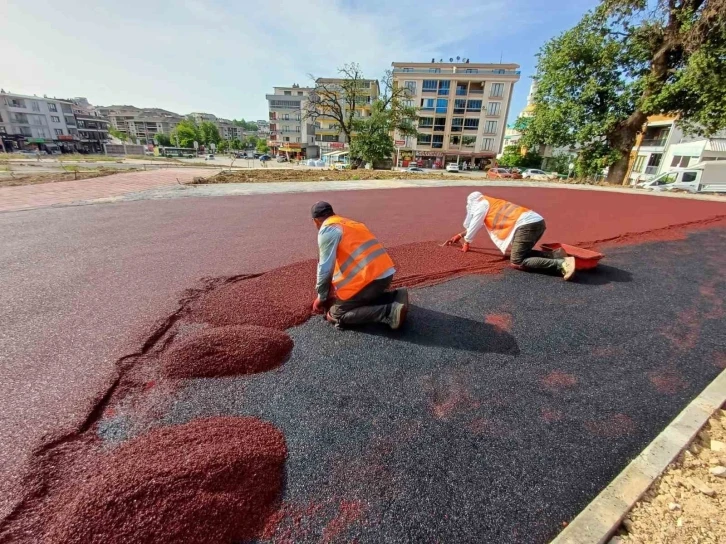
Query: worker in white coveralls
x=511, y=224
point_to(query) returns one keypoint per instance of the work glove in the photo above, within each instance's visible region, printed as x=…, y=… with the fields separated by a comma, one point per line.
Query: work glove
x=318, y=306
x=465, y=247
x=453, y=240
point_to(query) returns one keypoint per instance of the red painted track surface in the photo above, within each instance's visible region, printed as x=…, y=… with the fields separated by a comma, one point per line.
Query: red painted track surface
x=84, y=286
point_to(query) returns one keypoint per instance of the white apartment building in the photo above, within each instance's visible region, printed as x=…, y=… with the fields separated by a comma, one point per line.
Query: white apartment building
x=289, y=132
x=463, y=109
x=32, y=122
x=141, y=124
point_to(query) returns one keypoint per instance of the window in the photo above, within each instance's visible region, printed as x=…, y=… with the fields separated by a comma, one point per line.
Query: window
x=25, y=131
x=41, y=132
x=444, y=87
x=286, y=117
x=297, y=129
x=435, y=70
x=459, y=106
x=58, y=131
x=461, y=89
x=638, y=167
x=441, y=105
x=689, y=177
x=16, y=103
x=429, y=86
x=473, y=105
x=410, y=86
x=36, y=120
x=284, y=104
x=56, y=119
x=287, y=93
x=300, y=93
x=471, y=124
x=424, y=139
x=456, y=124
x=408, y=69
x=497, y=90
x=407, y=103
x=19, y=118
x=680, y=161
x=490, y=127
x=471, y=71
x=455, y=140
x=297, y=139
x=34, y=105
x=438, y=141
x=426, y=122
x=493, y=108
x=287, y=138
x=440, y=124
x=330, y=137
x=468, y=141
x=52, y=107
x=655, y=159
x=427, y=103
x=487, y=144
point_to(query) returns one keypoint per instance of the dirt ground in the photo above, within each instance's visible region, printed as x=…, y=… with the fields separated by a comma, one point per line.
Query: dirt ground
x=266, y=175
x=687, y=504
x=8, y=180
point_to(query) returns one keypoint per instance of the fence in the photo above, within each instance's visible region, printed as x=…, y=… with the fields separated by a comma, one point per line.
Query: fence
x=124, y=149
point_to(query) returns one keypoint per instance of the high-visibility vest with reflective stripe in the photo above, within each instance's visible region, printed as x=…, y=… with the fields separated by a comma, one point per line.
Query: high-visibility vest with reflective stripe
x=502, y=216
x=359, y=260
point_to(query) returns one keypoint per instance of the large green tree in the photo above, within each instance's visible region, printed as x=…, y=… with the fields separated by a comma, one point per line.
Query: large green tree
x=626, y=60
x=512, y=157
x=209, y=133
x=262, y=147
x=186, y=133
x=373, y=136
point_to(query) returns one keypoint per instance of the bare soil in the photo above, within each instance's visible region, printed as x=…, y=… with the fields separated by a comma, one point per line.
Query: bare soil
x=9, y=180
x=267, y=175
x=687, y=504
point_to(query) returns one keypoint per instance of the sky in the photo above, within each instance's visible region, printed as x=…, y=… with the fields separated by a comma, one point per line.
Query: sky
x=223, y=56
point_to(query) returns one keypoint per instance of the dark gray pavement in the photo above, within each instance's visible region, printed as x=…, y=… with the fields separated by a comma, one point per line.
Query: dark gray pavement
x=457, y=430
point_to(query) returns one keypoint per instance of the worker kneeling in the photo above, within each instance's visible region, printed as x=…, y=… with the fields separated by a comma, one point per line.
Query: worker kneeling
x=359, y=269
x=507, y=224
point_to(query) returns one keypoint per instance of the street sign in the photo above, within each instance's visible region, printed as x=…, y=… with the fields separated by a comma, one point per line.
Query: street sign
x=213, y=146
x=400, y=143
x=196, y=145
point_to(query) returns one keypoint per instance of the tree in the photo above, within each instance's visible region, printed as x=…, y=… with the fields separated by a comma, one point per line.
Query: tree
x=250, y=141
x=163, y=139
x=223, y=146
x=372, y=136
x=186, y=133
x=598, y=82
x=262, y=147
x=119, y=135
x=209, y=133
x=236, y=144
x=512, y=158
x=246, y=125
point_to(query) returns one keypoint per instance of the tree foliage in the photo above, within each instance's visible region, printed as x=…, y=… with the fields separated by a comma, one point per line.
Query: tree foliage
x=262, y=147
x=512, y=158
x=626, y=60
x=119, y=135
x=209, y=133
x=163, y=139
x=245, y=125
x=223, y=146
x=186, y=133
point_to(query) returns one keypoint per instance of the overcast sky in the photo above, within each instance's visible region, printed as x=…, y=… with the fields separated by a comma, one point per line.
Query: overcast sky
x=223, y=56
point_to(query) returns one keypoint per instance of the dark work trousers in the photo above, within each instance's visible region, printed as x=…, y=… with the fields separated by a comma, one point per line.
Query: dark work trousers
x=525, y=256
x=371, y=305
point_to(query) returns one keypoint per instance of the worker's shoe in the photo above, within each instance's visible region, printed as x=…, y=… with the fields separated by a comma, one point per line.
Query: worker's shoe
x=401, y=296
x=397, y=315
x=568, y=268
x=559, y=253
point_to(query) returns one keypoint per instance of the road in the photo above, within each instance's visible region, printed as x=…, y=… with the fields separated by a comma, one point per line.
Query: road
x=84, y=286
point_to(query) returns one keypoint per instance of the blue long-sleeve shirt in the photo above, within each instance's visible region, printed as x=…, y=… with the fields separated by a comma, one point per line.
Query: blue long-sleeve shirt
x=329, y=237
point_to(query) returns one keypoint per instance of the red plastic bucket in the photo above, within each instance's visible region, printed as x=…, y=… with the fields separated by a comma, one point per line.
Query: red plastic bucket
x=584, y=258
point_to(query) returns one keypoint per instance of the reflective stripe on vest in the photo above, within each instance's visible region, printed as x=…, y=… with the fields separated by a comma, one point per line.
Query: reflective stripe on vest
x=359, y=259
x=502, y=216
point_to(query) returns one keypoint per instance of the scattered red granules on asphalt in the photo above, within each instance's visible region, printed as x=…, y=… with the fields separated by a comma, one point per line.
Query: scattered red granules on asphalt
x=349, y=513
x=211, y=480
x=450, y=398
x=551, y=415
x=487, y=426
x=667, y=381
x=685, y=330
x=719, y=360
x=227, y=351
x=612, y=426
x=556, y=380
x=501, y=322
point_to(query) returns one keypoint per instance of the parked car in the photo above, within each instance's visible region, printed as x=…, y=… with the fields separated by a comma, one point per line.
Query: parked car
x=708, y=176
x=452, y=167
x=209, y=157
x=264, y=158
x=535, y=173
x=256, y=155
x=499, y=173
x=414, y=169
x=281, y=158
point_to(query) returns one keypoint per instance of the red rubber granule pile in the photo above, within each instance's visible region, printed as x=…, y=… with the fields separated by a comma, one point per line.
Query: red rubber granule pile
x=211, y=480
x=227, y=351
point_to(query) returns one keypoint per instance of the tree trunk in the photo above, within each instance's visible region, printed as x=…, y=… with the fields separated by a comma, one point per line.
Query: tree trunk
x=618, y=170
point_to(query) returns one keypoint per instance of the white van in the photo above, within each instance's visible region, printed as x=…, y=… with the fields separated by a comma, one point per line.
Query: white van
x=709, y=176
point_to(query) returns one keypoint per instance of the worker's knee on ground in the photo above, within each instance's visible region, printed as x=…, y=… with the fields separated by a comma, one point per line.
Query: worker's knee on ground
x=517, y=265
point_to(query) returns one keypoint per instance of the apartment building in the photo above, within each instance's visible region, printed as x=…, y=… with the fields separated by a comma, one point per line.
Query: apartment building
x=327, y=130
x=92, y=128
x=659, y=132
x=141, y=124
x=32, y=122
x=289, y=131
x=263, y=128
x=463, y=109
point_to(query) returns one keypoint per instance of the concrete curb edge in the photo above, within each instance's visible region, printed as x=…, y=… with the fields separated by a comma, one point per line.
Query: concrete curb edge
x=599, y=519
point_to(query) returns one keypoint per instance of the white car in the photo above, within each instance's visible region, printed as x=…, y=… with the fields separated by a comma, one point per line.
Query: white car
x=452, y=167
x=534, y=173
x=209, y=157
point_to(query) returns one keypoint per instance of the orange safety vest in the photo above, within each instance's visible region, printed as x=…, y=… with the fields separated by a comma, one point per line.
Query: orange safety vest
x=502, y=216
x=359, y=260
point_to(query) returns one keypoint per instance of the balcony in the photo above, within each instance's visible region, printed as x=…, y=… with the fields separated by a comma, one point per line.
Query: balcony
x=651, y=170
x=476, y=91
x=439, y=128
x=471, y=128
x=654, y=142
x=460, y=70
x=437, y=145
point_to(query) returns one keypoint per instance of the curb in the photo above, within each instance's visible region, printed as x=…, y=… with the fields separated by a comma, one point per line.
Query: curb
x=601, y=518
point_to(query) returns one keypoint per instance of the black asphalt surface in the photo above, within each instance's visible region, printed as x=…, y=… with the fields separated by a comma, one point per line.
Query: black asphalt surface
x=454, y=430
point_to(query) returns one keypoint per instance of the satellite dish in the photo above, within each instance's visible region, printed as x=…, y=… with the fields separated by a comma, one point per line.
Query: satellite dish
x=458, y=59
x=467, y=61
x=441, y=60
x=433, y=60
x=451, y=59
